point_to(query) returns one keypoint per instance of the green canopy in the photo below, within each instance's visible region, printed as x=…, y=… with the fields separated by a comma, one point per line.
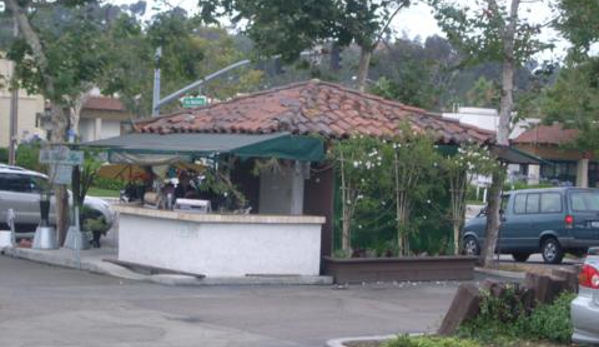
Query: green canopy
x=196, y=145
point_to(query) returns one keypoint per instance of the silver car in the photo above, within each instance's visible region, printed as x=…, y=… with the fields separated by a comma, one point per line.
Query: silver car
x=585, y=308
x=20, y=190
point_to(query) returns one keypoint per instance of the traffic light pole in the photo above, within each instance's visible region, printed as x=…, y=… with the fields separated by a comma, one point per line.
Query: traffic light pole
x=157, y=102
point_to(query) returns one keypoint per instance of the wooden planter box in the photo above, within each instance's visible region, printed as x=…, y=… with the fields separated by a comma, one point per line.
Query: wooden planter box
x=358, y=270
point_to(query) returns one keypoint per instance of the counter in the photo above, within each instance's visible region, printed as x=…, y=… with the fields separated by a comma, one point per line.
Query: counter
x=220, y=245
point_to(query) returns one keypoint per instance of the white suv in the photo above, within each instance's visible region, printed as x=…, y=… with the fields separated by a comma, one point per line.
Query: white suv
x=20, y=190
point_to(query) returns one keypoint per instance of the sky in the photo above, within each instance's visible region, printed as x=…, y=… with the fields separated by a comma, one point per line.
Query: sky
x=417, y=20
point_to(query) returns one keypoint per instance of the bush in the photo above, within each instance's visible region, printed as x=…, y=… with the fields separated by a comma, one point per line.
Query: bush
x=430, y=341
x=549, y=322
x=502, y=319
x=3, y=155
x=28, y=157
x=108, y=183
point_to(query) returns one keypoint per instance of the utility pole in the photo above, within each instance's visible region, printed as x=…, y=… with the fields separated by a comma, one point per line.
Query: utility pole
x=156, y=94
x=14, y=107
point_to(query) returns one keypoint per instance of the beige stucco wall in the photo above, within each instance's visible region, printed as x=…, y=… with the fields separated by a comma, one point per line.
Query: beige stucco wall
x=28, y=107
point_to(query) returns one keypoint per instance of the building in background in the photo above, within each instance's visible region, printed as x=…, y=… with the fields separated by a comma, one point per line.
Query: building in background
x=28, y=107
x=566, y=166
x=488, y=119
x=102, y=117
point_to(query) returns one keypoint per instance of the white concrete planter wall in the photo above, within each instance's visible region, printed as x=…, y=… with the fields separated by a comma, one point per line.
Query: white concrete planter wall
x=220, y=245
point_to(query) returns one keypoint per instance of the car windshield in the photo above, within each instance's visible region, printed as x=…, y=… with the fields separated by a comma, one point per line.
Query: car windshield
x=585, y=201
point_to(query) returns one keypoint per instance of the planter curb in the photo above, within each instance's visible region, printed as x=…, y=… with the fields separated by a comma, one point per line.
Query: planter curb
x=340, y=342
x=106, y=268
x=501, y=273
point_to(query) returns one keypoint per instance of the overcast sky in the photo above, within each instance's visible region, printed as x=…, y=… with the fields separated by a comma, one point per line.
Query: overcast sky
x=417, y=20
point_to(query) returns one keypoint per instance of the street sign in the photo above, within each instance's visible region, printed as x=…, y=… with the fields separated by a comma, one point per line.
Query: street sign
x=194, y=101
x=61, y=155
x=62, y=174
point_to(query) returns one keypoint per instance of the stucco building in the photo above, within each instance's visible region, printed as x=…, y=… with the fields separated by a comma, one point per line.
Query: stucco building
x=28, y=107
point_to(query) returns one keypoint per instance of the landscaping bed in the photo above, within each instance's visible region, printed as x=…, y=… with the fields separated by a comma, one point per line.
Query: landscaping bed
x=359, y=270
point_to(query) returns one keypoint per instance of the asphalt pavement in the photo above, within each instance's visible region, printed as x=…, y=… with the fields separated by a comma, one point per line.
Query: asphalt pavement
x=41, y=305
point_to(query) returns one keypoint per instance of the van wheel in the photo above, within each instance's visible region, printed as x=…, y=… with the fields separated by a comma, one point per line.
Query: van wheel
x=552, y=251
x=520, y=257
x=471, y=246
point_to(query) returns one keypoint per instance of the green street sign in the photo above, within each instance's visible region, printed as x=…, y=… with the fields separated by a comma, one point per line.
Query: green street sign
x=194, y=101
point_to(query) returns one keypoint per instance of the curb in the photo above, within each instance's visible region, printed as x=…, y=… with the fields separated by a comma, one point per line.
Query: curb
x=110, y=269
x=340, y=342
x=501, y=273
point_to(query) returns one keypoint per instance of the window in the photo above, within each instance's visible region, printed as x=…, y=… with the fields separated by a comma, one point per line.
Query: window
x=532, y=203
x=17, y=183
x=584, y=201
x=551, y=202
x=520, y=203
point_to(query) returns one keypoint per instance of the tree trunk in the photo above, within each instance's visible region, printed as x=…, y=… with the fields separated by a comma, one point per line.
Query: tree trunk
x=505, y=112
x=365, y=55
x=493, y=219
x=59, y=127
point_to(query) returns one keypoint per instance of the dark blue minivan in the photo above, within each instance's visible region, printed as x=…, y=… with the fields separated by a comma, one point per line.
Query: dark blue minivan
x=550, y=221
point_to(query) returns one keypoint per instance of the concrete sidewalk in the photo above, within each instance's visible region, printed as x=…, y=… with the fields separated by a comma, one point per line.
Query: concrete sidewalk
x=93, y=260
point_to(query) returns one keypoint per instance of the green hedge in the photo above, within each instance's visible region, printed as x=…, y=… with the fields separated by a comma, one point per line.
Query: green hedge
x=430, y=341
x=108, y=183
x=3, y=155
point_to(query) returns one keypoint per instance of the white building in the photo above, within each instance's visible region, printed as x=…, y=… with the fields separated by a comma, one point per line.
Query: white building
x=488, y=119
x=28, y=107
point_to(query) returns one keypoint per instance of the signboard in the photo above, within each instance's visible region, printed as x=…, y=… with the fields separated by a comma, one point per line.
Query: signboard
x=61, y=155
x=62, y=174
x=194, y=101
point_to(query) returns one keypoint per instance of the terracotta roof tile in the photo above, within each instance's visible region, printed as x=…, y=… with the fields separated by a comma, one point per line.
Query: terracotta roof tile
x=547, y=134
x=104, y=103
x=313, y=107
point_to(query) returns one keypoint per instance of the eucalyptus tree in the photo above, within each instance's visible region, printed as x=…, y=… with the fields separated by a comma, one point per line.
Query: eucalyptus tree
x=492, y=31
x=58, y=57
x=286, y=28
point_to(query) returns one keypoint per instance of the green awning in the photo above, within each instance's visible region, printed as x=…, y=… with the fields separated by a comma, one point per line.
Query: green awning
x=512, y=155
x=197, y=145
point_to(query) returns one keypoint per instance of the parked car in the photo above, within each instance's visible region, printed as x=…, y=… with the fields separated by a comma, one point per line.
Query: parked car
x=585, y=308
x=20, y=190
x=550, y=221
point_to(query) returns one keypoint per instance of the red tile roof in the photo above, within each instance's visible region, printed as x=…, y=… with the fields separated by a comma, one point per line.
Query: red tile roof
x=547, y=135
x=313, y=107
x=104, y=103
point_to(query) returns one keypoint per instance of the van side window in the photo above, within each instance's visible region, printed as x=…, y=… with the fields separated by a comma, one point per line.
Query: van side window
x=520, y=203
x=551, y=202
x=532, y=203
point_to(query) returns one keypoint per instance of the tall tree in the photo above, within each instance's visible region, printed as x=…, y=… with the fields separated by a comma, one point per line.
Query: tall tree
x=287, y=28
x=189, y=51
x=492, y=31
x=574, y=99
x=59, y=59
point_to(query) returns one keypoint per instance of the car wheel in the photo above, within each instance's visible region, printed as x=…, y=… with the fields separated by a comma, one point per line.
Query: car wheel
x=552, y=251
x=471, y=246
x=520, y=257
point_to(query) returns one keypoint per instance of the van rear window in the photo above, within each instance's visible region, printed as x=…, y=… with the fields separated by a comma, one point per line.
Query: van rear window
x=584, y=201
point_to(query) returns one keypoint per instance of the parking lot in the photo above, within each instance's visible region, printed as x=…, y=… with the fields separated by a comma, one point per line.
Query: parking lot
x=47, y=306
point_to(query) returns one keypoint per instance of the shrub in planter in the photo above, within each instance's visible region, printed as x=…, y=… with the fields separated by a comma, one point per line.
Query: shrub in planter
x=430, y=341
x=503, y=319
